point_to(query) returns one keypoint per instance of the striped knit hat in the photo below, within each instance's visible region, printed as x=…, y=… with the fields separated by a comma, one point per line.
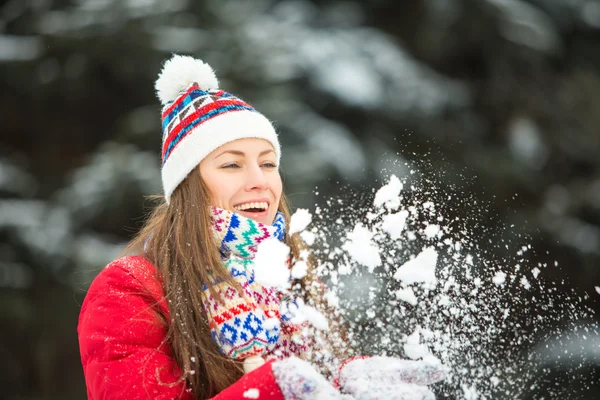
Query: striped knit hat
x=197, y=118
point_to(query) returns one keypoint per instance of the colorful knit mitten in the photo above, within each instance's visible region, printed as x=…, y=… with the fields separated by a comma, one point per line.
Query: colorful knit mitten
x=379, y=378
x=252, y=324
x=258, y=322
x=298, y=380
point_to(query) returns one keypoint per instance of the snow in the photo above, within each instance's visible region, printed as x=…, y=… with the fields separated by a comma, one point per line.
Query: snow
x=312, y=315
x=420, y=269
x=308, y=237
x=499, y=278
x=361, y=247
x=332, y=298
x=431, y=231
x=393, y=370
x=597, y=289
x=251, y=394
x=394, y=224
x=413, y=348
x=388, y=195
x=299, y=270
x=456, y=323
x=270, y=264
x=470, y=392
x=390, y=378
x=298, y=379
x=299, y=221
x=407, y=295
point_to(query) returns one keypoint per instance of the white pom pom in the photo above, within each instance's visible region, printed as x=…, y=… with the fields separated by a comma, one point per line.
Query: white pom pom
x=179, y=72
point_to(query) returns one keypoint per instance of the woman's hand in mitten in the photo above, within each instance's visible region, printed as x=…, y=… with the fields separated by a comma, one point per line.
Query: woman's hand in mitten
x=298, y=380
x=390, y=378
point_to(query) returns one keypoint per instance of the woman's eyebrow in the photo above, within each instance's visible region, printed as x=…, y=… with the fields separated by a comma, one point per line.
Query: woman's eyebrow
x=241, y=153
x=234, y=152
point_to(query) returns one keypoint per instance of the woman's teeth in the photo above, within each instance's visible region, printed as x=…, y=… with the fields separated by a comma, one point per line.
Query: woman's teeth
x=261, y=206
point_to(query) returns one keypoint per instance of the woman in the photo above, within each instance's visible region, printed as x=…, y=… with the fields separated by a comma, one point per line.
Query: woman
x=183, y=317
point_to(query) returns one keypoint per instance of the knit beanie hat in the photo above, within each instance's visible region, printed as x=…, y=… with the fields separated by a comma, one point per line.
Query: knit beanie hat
x=197, y=118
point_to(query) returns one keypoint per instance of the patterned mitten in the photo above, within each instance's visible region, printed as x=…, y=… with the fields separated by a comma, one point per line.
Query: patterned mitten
x=238, y=323
x=390, y=378
x=298, y=380
x=256, y=324
x=361, y=390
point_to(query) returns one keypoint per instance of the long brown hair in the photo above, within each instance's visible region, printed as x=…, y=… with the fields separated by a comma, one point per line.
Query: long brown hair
x=177, y=239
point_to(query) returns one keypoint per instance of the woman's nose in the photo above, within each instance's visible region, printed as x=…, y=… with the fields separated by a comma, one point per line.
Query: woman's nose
x=256, y=179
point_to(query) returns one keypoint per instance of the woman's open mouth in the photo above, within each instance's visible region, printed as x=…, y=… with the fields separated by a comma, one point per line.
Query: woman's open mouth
x=253, y=209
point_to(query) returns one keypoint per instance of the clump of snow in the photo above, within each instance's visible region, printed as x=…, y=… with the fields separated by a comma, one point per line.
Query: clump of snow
x=310, y=314
x=470, y=392
x=499, y=278
x=252, y=394
x=270, y=264
x=299, y=221
x=407, y=295
x=308, y=237
x=332, y=298
x=389, y=195
x=394, y=224
x=431, y=231
x=420, y=269
x=414, y=349
x=299, y=270
x=360, y=246
x=597, y=289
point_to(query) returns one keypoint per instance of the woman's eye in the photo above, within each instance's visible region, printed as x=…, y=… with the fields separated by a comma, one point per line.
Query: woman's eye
x=230, y=166
x=269, y=165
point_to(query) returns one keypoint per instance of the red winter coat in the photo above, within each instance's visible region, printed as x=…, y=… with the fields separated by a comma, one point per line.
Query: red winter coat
x=122, y=342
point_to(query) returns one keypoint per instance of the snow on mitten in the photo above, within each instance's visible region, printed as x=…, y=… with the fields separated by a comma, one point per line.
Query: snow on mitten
x=361, y=390
x=291, y=342
x=390, y=378
x=298, y=380
x=391, y=370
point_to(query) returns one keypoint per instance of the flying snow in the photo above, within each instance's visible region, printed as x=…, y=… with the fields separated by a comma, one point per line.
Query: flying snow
x=270, y=264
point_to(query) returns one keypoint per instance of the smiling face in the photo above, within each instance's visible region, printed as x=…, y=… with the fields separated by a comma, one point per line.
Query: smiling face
x=243, y=176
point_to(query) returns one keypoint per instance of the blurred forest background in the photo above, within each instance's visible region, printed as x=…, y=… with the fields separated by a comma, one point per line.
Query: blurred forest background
x=497, y=98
